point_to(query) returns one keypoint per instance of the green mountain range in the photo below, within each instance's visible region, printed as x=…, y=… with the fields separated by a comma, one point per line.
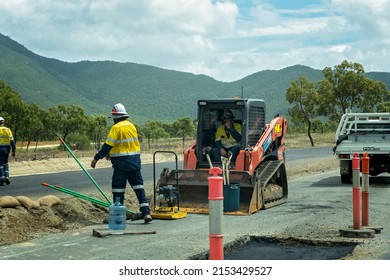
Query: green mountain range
x=148, y=92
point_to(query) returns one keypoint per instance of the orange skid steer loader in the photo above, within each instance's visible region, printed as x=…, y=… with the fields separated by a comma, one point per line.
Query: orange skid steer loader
x=256, y=180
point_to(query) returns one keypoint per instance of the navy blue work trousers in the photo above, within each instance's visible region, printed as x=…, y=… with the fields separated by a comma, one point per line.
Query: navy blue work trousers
x=120, y=178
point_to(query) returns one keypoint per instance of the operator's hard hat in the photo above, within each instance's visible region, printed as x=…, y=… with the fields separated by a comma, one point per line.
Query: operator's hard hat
x=227, y=115
x=1, y=119
x=118, y=111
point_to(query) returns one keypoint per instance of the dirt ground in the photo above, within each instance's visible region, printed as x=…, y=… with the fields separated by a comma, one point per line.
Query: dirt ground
x=18, y=223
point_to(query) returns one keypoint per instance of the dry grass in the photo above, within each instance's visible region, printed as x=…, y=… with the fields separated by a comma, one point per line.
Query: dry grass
x=49, y=150
x=303, y=141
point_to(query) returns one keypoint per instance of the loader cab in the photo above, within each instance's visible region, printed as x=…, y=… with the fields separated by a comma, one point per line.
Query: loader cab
x=250, y=113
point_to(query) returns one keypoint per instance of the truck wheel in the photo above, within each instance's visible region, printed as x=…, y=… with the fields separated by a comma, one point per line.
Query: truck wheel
x=346, y=179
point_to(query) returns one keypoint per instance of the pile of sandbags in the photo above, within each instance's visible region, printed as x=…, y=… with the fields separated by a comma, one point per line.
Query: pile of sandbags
x=26, y=202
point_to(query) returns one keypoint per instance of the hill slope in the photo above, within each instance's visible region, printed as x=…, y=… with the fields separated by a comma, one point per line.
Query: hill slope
x=149, y=93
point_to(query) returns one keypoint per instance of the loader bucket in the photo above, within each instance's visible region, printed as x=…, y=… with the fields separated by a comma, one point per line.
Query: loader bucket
x=193, y=190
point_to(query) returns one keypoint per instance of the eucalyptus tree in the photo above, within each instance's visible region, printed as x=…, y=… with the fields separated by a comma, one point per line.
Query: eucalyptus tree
x=345, y=87
x=97, y=129
x=153, y=130
x=374, y=94
x=68, y=119
x=384, y=107
x=13, y=108
x=303, y=95
x=184, y=127
x=34, y=127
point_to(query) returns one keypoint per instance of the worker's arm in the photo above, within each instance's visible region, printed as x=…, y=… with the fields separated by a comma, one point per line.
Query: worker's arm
x=104, y=151
x=218, y=142
x=235, y=131
x=13, y=147
x=222, y=151
x=236, y=135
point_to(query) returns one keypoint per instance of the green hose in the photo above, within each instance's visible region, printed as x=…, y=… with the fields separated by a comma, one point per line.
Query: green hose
x=85, y=171
x=80, y=195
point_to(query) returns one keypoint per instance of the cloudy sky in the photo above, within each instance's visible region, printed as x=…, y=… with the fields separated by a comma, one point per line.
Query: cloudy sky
x=226, y=40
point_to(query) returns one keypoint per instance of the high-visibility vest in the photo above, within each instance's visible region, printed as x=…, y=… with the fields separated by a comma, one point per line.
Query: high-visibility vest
x=226, y=138
x=123, y=137
x=5, y=136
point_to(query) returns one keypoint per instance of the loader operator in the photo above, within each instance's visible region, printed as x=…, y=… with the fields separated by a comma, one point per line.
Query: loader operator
x=123, y=148
x=227, y=137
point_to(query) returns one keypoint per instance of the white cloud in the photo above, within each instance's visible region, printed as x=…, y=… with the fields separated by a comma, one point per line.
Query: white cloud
x=224, y=39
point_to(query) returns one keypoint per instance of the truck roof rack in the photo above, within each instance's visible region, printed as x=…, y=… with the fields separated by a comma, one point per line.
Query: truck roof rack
x=363, y=122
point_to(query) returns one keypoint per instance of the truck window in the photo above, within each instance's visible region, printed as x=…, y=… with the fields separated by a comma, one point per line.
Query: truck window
x=383, y=127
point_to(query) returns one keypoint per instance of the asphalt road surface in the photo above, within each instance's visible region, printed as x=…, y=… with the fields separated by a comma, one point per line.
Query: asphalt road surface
x=317, y=209
x=78, y=181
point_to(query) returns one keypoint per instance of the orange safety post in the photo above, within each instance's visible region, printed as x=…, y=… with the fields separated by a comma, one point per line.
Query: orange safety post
x=365, y=187
x=356, y=190
x=216, y=213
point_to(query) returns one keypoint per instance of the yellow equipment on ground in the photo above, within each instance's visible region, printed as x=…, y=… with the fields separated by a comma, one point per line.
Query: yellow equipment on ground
x=166, y=198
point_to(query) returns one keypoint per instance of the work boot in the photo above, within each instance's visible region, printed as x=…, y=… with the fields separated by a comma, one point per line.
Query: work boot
x=7, y=181
x=147, y=219
x=133, y=216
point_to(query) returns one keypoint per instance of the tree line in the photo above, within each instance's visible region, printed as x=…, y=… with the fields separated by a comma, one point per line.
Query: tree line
x=320, y=105
x=316, y=106
x=32, y=124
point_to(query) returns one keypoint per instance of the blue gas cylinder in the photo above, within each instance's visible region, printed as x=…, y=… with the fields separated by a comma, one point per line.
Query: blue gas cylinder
x=117, y=216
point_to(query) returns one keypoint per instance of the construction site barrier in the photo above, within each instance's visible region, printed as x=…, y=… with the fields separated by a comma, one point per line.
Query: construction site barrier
x=360, y=200
x=215, y=213
x=365, y=188
x=356, y=190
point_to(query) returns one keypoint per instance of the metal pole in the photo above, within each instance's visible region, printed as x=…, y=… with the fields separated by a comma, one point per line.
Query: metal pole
x=365, y=188
x=215, y=214
x=85, y=171
x=356, y=190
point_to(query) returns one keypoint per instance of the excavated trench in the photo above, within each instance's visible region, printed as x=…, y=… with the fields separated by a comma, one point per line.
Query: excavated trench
x=267, y=248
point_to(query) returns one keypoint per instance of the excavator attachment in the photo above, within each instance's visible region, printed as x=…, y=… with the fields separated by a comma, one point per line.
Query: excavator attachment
x=267, y=188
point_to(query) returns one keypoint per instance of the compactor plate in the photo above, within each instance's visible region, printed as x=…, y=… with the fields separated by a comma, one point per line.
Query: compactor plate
x=168, y=213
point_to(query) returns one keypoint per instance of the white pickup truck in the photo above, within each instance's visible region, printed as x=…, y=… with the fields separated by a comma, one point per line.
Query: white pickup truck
x=359, y=133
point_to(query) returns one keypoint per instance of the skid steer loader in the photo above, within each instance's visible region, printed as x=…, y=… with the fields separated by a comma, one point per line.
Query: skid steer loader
x=258, y=173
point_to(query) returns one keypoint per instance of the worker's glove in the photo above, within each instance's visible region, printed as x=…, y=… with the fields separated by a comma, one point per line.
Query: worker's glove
x=13, y=154
x=93, y=163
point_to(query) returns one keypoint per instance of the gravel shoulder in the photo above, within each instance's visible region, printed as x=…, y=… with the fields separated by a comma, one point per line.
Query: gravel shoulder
x=18, y=223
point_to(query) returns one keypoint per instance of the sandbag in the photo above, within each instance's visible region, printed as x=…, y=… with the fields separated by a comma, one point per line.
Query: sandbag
x=8, y=202
x=27, y=202
x=49, y=200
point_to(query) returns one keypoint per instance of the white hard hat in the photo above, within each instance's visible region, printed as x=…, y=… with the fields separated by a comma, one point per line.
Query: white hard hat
x=118, y=111
x=1, y=119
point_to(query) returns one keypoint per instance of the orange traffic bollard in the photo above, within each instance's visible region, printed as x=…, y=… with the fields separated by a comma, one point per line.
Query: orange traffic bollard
x=216, y=214
x=365, y=188
x=357, y=230
x=356, y=190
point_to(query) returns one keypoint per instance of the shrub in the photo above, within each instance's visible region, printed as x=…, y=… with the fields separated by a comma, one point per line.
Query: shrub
x=79, y=142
